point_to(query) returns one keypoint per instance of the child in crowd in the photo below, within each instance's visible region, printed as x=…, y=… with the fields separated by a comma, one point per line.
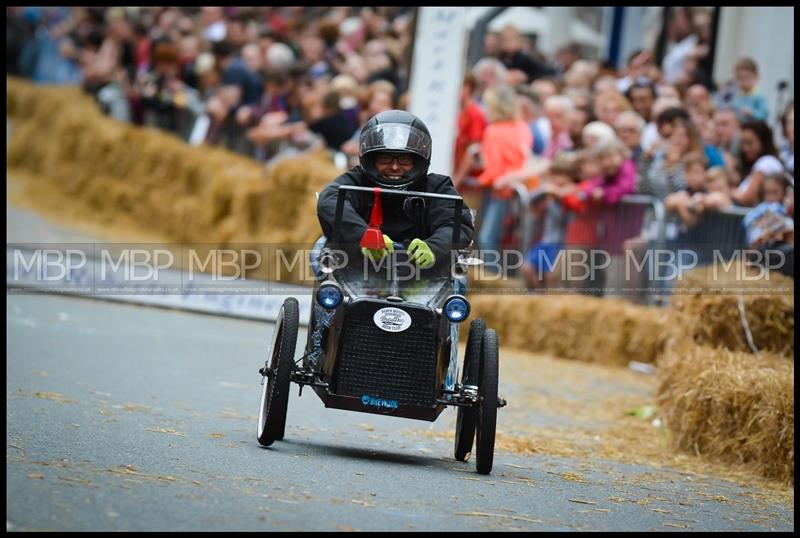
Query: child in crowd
x=748, y=100
x=718, y=189
x=609, y=173
x=558, y=181
x=769, y=223
x=613, y=175
x=686, y=202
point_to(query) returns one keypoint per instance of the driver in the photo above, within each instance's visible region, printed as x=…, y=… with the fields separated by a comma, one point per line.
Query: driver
x=395, y=153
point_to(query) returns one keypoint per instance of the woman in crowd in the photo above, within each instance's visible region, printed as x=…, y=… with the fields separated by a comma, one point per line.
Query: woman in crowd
x=505, y=146
x=661, y=168
x=758, y=158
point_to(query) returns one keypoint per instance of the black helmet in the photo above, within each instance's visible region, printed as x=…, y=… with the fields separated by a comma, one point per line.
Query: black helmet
x=395, y=131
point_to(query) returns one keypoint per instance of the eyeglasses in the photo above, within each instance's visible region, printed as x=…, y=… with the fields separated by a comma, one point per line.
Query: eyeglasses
x=388, y=158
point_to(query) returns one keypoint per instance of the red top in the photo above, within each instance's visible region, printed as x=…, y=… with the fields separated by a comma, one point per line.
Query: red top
x=471, y=124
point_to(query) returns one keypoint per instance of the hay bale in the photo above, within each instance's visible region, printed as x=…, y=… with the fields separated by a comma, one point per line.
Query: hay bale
x=104, y=171
x=730, y=406
x=608, y=331
x=710, y=314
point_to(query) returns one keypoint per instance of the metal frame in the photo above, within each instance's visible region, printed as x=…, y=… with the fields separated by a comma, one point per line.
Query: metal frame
x=346, y=188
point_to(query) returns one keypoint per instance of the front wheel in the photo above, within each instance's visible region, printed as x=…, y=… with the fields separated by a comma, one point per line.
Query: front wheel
x=275, y=391
x=487, y=409
x=468, y=416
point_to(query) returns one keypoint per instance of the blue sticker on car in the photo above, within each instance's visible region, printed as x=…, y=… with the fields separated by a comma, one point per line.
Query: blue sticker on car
x=379, y=402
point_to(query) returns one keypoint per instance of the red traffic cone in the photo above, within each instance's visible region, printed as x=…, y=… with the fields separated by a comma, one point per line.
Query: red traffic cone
x=373, y=236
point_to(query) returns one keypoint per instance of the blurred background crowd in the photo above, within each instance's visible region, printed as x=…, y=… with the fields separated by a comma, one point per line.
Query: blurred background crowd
x=562, y=139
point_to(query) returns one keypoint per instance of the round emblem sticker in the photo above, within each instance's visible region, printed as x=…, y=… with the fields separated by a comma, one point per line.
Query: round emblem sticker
x=392, y=320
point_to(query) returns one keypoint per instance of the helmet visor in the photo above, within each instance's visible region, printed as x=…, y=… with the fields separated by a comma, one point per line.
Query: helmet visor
x=396, y=137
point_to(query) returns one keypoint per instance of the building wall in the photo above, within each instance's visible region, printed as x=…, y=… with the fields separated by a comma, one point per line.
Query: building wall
x=765, y=34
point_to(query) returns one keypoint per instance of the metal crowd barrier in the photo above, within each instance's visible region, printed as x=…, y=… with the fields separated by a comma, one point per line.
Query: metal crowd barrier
x=518, y=225
x=233, y=136
x=717, y=235
x=640, y=229
x=519, y=222
x=636, y=215
x=636, y=224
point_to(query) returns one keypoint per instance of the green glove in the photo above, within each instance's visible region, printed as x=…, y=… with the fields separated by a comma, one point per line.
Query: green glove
x=379, y=253
x=420, y=253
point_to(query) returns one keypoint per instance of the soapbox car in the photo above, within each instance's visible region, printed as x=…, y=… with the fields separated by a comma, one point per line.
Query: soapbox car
x=378, y=343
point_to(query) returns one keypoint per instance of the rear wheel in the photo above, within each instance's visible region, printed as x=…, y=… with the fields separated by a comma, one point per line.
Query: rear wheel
x=275, y=391
x=487, y=408
x=468, y=416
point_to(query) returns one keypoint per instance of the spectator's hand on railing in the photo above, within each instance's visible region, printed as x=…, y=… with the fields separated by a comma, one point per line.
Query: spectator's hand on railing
x=244, y=115
x=217, y=109
x=566, y=190
x=548, y=188
x=674, y=199
x=716, y=201
x=513, y=177
x=231, y=96
x=697, y=202
x=274, y=118
x=506, y=180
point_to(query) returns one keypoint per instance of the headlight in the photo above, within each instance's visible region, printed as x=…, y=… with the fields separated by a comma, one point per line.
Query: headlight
x=329, y=296
x=456, y=308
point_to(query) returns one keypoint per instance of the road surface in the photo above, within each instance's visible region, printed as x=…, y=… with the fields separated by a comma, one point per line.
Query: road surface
x=125, y=417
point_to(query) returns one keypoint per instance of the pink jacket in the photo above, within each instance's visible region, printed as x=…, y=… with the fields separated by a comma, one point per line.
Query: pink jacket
x=618, y=222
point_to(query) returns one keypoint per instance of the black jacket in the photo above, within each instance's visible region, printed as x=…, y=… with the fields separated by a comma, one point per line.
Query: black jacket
x=434, y=224
x=532, y=67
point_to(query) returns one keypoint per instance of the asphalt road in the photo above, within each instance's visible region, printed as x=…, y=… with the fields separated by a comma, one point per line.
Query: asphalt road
x=125, y=417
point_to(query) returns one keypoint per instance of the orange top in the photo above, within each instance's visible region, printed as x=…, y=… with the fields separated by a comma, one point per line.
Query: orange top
x=505, y=147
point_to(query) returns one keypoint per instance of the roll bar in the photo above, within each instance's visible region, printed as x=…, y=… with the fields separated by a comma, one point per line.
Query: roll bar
x=344, y=189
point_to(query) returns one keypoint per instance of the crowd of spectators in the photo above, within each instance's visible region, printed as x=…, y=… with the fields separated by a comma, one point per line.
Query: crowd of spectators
x=263, y=81
x=575, y=133
x=663, y=130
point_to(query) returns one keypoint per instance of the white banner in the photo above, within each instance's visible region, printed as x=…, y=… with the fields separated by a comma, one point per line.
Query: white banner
x=436, y=75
